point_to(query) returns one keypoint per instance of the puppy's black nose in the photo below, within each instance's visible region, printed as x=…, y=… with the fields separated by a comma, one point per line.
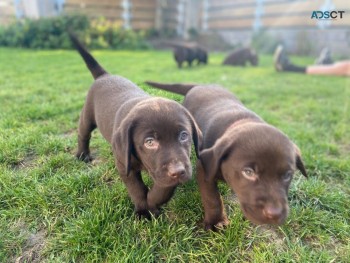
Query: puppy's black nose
x=273, y=212
x=177, y=171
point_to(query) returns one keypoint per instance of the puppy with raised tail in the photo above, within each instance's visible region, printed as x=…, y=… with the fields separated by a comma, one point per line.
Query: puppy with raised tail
x=254, y=158
x=145, y=132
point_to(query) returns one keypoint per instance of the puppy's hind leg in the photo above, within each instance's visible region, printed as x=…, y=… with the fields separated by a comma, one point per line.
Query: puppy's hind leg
x=86, y=126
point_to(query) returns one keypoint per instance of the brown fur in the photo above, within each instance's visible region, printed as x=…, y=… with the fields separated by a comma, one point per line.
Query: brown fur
x=236, y=140
x=189, y=53
x=147, y=133
x=241, y=56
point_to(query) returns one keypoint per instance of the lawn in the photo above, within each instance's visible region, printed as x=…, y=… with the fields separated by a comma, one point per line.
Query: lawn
x=54, y=208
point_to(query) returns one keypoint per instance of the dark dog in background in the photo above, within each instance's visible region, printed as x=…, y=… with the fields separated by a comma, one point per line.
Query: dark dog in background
x=145, y=132
x=189, y=53
x=254, y=158
x=241, y=56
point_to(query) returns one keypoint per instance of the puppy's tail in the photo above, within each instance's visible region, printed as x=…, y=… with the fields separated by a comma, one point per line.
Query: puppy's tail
x=178, y=88
x=94, y=67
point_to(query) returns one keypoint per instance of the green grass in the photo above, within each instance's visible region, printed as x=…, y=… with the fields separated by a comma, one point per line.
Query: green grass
x=54, y=208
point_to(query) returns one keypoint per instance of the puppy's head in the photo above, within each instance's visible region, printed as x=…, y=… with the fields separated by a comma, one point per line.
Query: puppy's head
x=258, y=163
x=158, y=134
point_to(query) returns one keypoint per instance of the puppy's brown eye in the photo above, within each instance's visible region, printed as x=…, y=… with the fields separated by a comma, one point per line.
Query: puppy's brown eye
x=151, y=143
x=249, y=174
x=183, y=137
x=287, y=176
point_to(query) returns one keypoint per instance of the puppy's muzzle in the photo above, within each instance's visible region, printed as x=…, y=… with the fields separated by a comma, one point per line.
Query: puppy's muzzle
x=274, y=213
x=178, y=172
x=268, y=214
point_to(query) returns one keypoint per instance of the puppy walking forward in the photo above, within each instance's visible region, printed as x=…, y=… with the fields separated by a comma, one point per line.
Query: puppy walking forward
x=145, y=132
x=254, y=158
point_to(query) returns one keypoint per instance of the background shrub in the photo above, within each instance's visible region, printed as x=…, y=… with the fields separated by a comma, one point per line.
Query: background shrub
x=52, y=33
x=107, y=34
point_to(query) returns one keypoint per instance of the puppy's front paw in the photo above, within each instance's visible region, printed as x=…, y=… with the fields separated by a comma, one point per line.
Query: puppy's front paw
x=155, y=212
x=217, y=225
x=85, y=157
x=147, y=214
x=140, y=214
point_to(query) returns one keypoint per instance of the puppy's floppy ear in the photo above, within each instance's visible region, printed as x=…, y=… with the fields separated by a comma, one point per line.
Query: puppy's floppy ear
x=123, y=145
x=299, y=162
x=211, y=158
x=197, y=136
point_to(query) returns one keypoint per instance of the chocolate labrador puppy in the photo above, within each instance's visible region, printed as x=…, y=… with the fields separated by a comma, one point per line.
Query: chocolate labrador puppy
x=241, y=56
x=189, y=53
x=254, y=158
x=148, y=133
